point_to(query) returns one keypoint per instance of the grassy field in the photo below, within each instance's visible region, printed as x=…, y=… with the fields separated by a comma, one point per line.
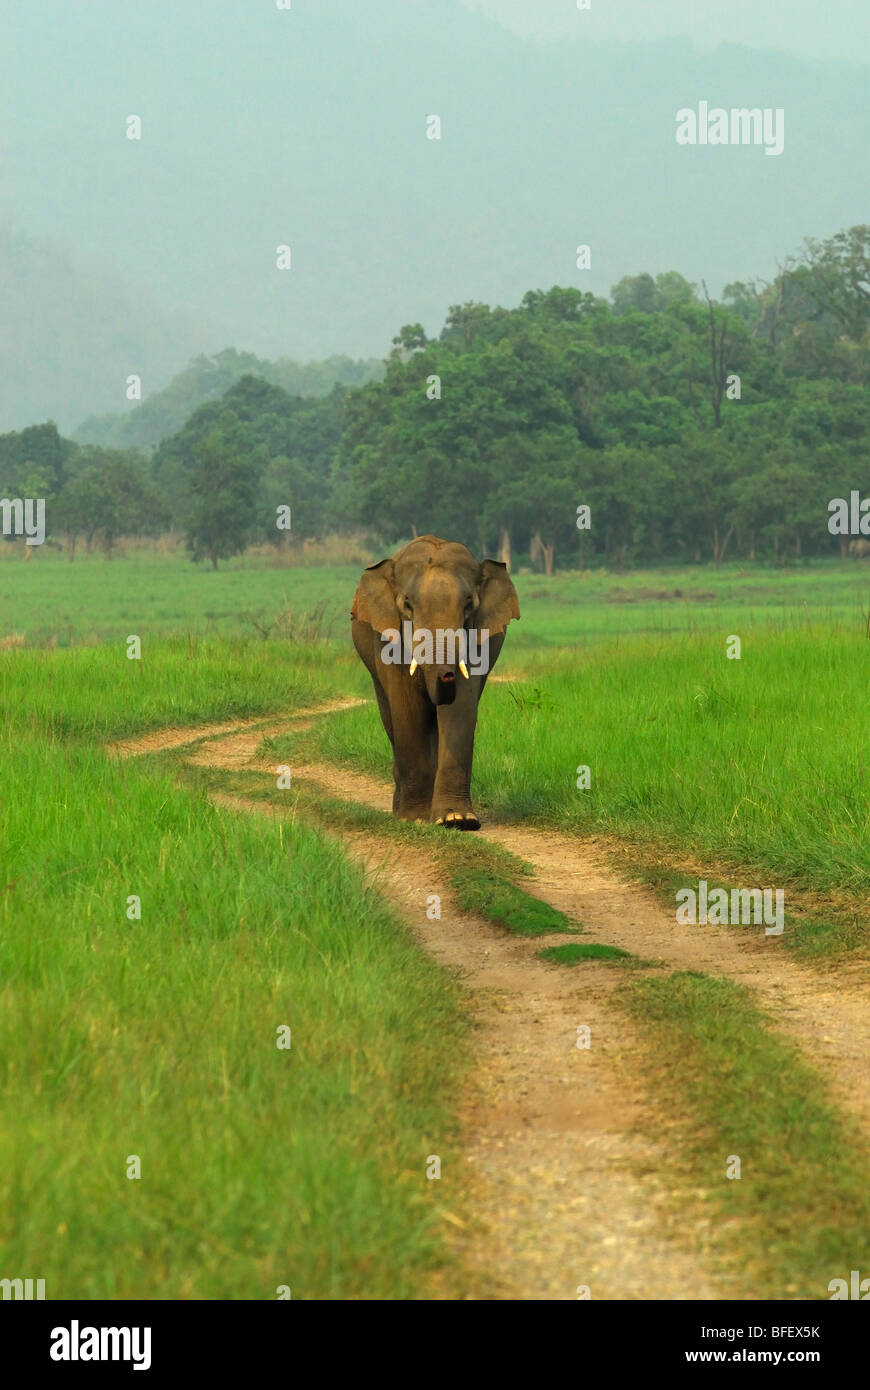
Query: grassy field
x=49, y=600
x=762, y=763
x=157, y=1037
x=98, y=691
x=722, y=1080
x=759, y=763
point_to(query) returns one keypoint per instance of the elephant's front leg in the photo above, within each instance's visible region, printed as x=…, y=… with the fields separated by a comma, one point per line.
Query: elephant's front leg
x=451, y=798
x=415, y=735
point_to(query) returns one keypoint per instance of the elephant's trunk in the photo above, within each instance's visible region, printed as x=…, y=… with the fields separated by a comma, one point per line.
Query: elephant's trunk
x=441, y=684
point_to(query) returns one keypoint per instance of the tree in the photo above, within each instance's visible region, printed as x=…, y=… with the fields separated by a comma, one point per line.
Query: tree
x=223, y=487
x=718, y=357
x=835, y=276
x=645, y=295
x=110, y=496
x=536, y=494
x=408, y=340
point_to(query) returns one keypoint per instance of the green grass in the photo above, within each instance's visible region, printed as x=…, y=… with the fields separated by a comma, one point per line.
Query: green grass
x=813, y=930
x=799, y=1215
x=97, y=692
x=489, y=895
x=151, y=592
x=94, y=600
x=574, y=951
x=481, y=875
x=570, y=609
x=761, y=764
x=157, y=1038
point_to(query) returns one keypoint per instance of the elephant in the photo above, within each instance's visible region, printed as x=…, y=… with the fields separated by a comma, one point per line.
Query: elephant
x=410, y=614
x=860, y=549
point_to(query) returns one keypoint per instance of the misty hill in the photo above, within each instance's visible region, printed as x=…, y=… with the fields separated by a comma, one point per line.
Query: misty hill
x=207, y=378
x=74, y=329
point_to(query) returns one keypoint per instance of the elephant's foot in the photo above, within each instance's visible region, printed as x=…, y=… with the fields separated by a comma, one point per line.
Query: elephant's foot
x=414, y=811
x=462, y=818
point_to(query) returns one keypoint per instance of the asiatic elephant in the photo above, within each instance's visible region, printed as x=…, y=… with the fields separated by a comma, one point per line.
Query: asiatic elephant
x=860, y=549
x=418, y=623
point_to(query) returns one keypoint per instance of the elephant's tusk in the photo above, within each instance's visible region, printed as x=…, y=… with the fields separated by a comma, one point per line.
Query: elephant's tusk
x=413, y=667
x=464, y=669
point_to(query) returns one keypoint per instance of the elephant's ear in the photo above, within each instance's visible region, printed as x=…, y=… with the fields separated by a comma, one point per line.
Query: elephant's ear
x=375, y=599
x=498, y=597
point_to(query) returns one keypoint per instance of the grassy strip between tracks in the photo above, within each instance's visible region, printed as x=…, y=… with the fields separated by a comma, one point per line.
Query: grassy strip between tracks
x=483, y=876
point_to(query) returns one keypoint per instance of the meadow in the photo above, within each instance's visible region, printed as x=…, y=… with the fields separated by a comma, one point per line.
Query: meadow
x=156, y=1037
x=760, y=763
x=49, y=600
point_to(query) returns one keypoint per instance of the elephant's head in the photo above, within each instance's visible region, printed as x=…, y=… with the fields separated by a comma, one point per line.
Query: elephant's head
x=439, y=588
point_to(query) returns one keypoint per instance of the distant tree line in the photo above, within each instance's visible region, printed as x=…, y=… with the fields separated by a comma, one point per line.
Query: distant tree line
x=688, y=428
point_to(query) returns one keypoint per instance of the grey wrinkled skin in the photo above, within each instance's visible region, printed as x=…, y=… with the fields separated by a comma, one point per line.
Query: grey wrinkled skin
x=430, y=716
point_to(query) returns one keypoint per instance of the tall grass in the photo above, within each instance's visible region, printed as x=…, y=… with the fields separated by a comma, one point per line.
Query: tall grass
x=151, y=591
x=95, y=691
x=157, y=1037
x=762, y=761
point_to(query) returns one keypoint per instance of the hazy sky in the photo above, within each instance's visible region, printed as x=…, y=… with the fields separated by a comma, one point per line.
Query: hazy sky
x=307, y=127
x=835, y=29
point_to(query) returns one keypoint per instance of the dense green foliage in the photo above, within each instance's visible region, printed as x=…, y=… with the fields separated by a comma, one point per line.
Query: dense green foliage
x=222, y=477
x=89, y=492
x=284, y=444
x=689, y=430
x=687, y=427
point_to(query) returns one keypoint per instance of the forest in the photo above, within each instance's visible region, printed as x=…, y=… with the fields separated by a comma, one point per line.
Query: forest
x=655, y=426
